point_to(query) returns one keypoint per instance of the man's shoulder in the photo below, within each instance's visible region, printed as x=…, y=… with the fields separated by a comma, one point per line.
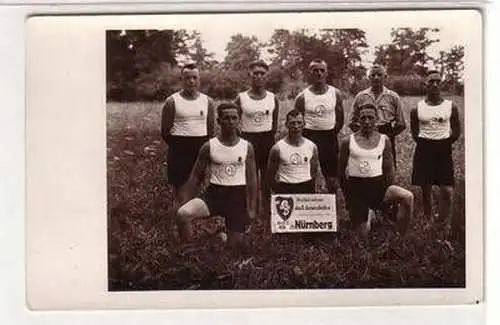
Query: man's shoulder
x=391, y=92
x=310, y=143
x=346, y=138
x=361, y=93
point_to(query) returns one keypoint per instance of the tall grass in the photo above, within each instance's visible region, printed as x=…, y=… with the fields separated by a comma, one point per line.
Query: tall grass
x=144, y=252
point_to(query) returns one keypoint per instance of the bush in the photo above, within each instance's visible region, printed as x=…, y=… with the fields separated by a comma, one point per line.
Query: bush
x=226, y=84
x=408, y=85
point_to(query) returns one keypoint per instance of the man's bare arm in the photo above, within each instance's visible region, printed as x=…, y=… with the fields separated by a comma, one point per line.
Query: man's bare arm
x=315, y=167
x=456, y=128
x=300, y=103
x=211, y=118
x=167, y=118
x=414, y=125
x=339, y=112
x=275, y=114
x=251, y=180
x=343, y=159
x=197, y=175
x=272, y=167
x=387, y=163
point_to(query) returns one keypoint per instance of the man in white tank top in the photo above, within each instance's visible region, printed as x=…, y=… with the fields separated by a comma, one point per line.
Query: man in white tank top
x=435, y=126
x=367, y=174
x=230, y=163
x=259, y=120
x=187, y=122
x=293, y=160
x=321, y=105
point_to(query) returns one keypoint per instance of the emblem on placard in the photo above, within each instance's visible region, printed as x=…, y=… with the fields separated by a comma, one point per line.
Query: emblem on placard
x=284, y=206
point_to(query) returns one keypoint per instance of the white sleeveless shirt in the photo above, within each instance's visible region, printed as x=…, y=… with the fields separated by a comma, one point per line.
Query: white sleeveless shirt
x=190, y=116
x=365, y=162
x=295, y=162
x=257, y=115
x=320, y=109
x=228, y=163
x=434, y=121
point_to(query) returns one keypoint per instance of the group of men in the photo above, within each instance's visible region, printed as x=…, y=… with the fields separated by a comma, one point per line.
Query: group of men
x=244, y=156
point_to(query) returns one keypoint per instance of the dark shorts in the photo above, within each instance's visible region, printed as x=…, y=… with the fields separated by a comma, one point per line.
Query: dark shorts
x=230, y=203
x=363, y=194
x=262, y=143
x=181, y=156
x=327, y=144
x=295, y=188
x=433, y=163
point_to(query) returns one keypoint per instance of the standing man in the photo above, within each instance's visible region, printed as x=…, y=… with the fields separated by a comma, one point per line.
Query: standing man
x=367, y=174
x=321, y=106
x=435, y=126
x=293, y=160
x=187, y=122
x=259, y=120
x=389, y=107
x=232, y=193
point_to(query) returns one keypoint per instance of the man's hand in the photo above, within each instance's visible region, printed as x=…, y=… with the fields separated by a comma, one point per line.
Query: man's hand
x=252, y=213
x=386, y=128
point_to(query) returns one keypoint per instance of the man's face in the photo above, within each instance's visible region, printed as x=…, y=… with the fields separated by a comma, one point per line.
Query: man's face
x=190, y=79
x=367, y=119
x=377, y=77
x=258, y=76
x=229, y=119
x=318, y=74
x=433, y=85
x=295, y=124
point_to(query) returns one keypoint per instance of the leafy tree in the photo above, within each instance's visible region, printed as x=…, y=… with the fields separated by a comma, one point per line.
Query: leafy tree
x=407, y=53
x=452, y=66
x=241, y=50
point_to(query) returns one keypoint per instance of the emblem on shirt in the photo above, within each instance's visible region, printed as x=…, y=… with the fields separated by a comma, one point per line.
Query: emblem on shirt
x=230, y=170
x=436, y=121
x=258, y=117
x=284, y=206
x=364, y=167
x=319, y=110
x=296, y=159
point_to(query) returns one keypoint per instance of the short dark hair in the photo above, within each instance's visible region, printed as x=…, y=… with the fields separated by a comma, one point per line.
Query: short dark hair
x=293, y=113
x=258, y=63
x=378, y=67
x=317, y=61
x=368, y=106
x=189, y=66
x=433, y=72
x=227, y=105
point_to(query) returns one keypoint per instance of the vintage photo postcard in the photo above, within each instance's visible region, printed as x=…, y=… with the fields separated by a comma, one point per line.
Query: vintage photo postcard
x=255, y=160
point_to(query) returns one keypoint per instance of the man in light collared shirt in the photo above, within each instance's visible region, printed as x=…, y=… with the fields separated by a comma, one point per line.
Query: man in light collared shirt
x=389, y=107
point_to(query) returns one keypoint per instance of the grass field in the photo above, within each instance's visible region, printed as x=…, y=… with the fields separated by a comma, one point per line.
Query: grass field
x=144, y=253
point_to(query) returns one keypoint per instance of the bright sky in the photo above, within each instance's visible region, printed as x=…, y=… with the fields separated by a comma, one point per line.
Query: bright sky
x=215, y=40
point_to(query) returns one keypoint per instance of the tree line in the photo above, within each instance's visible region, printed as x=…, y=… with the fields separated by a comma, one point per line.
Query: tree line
x=144, y=64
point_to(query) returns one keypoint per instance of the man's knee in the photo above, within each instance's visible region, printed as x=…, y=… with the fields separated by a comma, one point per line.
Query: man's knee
x=187, y=211
x=403, y=196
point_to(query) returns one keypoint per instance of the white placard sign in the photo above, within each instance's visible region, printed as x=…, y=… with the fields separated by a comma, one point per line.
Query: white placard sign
x=303, y=213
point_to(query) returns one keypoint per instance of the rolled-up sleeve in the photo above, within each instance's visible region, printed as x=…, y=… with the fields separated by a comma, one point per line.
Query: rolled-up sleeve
x=399, y=119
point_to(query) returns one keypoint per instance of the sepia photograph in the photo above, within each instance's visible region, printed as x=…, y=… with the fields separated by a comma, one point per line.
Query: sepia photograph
x=254, y=160
x=263, y=158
